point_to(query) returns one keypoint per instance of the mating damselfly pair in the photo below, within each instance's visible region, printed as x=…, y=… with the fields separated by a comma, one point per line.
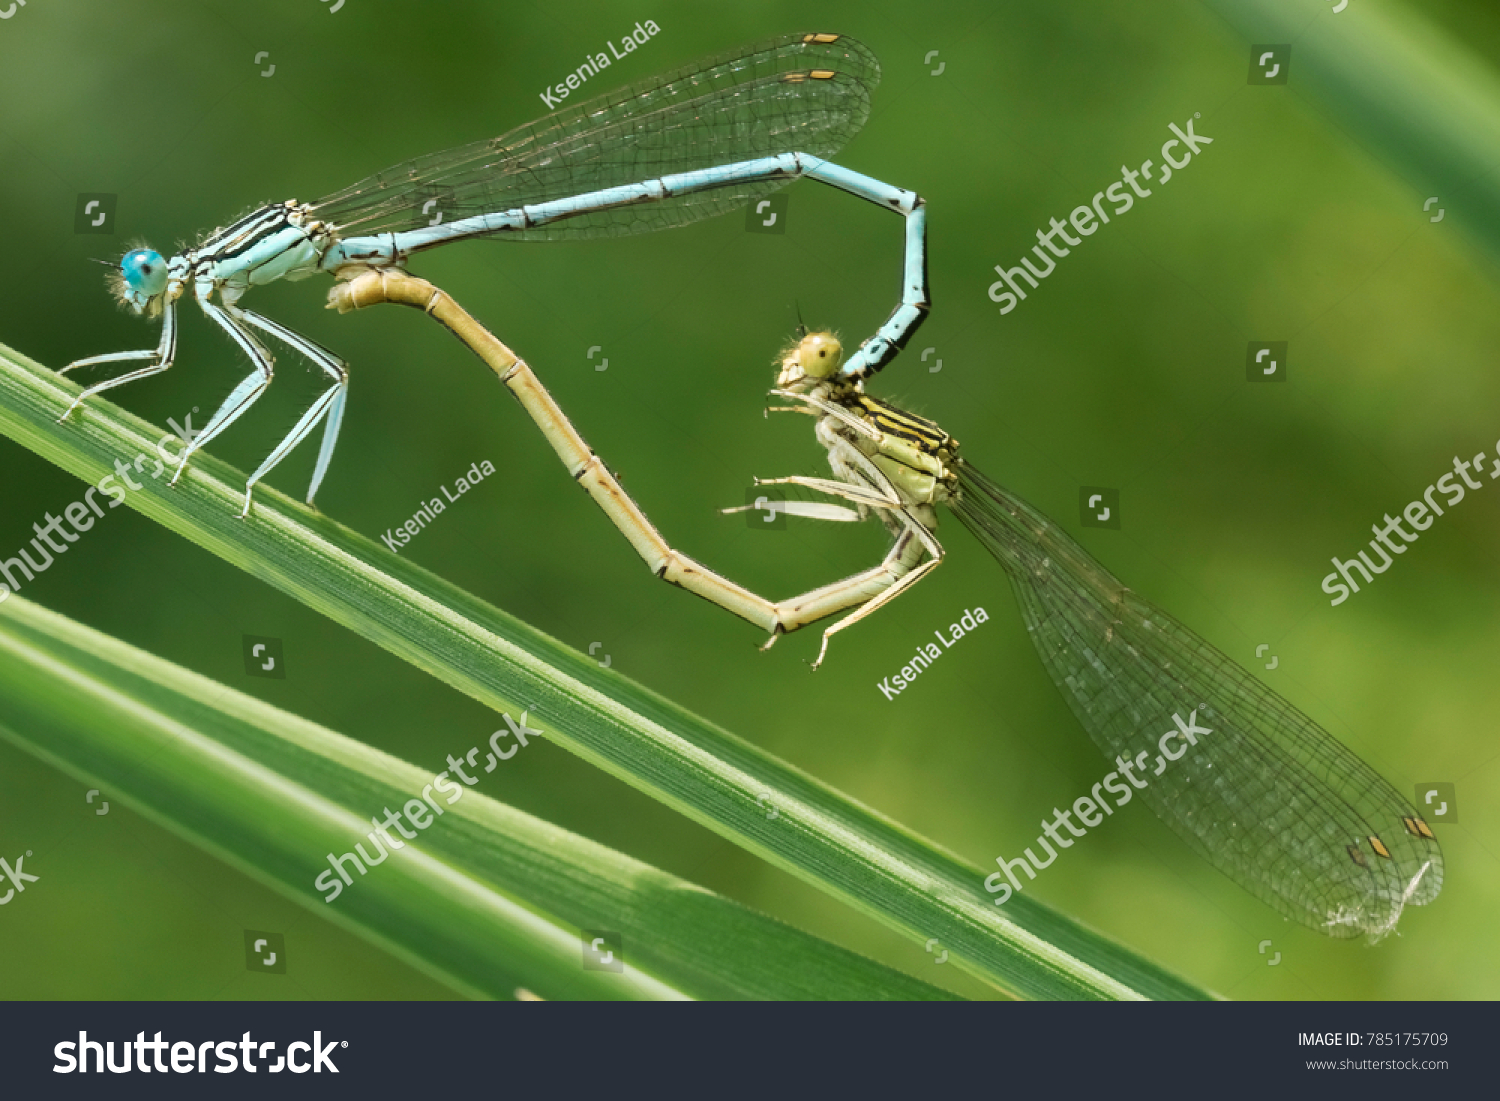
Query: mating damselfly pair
x=1267, y=796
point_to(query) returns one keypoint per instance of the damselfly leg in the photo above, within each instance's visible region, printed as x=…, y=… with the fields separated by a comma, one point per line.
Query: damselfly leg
x=330, y=405
x=160, y=359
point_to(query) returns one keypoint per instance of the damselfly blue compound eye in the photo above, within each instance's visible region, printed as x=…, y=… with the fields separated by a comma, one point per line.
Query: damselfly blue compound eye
x=145, y=273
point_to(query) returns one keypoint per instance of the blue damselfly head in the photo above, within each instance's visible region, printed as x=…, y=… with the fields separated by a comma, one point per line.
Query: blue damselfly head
x=141, y=281
x=816, y=356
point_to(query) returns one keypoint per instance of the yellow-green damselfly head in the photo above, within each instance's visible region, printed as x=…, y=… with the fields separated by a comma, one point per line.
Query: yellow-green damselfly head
x=141, y=281
x=817, y=356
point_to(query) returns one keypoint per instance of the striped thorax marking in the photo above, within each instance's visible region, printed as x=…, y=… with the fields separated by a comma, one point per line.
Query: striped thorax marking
x=912, y=452
x=905, y=426
x=281, y=241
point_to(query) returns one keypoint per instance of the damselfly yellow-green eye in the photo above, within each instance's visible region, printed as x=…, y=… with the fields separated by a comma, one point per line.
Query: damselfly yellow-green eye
x=819, y=354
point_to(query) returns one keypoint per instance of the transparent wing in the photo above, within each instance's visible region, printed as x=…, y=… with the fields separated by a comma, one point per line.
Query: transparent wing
x=755, y=101
x=1268, y=797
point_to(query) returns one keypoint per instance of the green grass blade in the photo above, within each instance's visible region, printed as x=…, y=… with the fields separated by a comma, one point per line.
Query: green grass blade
x=1403, y=88
x=487, y=898
x=822, y=836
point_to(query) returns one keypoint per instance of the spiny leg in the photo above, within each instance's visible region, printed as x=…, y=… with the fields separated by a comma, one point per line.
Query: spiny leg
x=848, y=462
x=852, y=591
x=331, y=404
x=867, y=486
x=906, y=552
x=162, y=356
x=245, y=394
x=859, y=495
x=890, y=506
x=901, y=568
x=808, y=510
x=876, y=602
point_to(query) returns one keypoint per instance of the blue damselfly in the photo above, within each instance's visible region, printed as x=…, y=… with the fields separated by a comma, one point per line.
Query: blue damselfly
x=667, y=151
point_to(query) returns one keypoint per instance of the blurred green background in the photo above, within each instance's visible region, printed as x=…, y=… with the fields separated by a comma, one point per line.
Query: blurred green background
x=1126, y=369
